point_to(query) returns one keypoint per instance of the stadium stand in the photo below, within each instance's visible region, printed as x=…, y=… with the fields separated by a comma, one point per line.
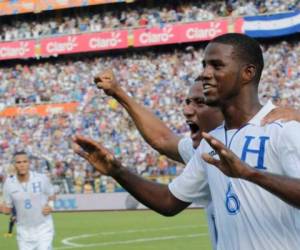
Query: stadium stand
x=143, y=13
x=144, y=73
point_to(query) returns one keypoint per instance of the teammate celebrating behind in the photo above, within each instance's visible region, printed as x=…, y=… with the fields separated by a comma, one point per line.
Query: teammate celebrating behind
x=199, y=117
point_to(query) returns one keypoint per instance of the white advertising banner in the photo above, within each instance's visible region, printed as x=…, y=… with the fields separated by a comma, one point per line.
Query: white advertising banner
x=99, y=201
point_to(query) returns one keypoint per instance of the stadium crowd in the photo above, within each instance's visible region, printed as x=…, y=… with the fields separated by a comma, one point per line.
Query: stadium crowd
x=157, y=80
x=114, y=17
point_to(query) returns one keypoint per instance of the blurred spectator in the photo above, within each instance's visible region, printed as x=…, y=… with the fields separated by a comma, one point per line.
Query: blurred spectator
x=97, y=18
x=157, y=80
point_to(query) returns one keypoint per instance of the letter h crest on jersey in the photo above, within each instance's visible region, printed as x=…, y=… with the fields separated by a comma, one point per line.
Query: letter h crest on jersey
x=37, y=187
x=255, y=147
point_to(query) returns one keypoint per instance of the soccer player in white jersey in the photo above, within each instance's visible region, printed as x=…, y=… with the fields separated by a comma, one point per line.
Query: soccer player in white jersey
x=251, y=172
x=32, y=196
x=199, y=117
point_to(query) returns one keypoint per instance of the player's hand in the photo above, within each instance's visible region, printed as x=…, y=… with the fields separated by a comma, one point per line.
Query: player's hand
x=106, y=81
x=46, y=210
x=283, y=114
x=97, y=155
x=229, y=163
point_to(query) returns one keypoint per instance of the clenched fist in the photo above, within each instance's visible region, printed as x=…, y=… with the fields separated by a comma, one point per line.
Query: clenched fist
x=107, y=82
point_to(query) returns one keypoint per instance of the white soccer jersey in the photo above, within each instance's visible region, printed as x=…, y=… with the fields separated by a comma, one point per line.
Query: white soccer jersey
x=28, y=198
x=247, y=216
x=186, y=151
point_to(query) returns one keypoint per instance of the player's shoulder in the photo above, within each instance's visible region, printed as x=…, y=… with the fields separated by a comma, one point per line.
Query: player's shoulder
x=218, y=131
x=10, y=181
x=281, y=127
x=186, y=149
x=185, y=140
x=37, y=176
x=284, y=134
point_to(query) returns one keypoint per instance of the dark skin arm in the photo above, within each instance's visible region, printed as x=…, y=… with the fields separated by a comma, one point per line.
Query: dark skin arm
x=153, y=130
x=4, y=209
x=283, y=114
x=286, y=188
x=153, y=195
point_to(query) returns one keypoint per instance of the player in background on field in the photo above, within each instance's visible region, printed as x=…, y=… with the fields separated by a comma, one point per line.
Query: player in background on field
x=32, y=195
x=256, y=194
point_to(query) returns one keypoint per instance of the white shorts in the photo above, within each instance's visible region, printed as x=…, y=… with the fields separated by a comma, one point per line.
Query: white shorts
x=36, y=238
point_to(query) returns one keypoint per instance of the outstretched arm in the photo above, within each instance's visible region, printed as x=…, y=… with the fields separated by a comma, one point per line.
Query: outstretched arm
x=153, y=130
x=284, y=187
x=153, y=195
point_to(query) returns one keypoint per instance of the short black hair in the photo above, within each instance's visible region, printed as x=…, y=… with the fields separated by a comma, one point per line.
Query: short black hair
x=22, y=152
x=247, y=48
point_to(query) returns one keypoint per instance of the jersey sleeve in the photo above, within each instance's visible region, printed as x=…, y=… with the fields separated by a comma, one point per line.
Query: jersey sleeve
x=192, y=185
x=289, y=149
x=7, y=195
x=185, y=149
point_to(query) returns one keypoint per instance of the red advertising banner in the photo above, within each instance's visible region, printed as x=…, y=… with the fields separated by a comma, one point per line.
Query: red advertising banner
x=40, y=110
x=238, y=25
x=19, y=49
x=185, y=32
x=156, y=36
x=110, y=40
x=201, y=31
x=84, y=43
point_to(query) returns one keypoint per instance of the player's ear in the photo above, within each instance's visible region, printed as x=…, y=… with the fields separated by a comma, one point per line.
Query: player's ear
x=248, y=72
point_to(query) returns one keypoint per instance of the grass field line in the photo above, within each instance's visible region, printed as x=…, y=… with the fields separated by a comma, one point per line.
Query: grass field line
x=69, y=244
x=140, y=240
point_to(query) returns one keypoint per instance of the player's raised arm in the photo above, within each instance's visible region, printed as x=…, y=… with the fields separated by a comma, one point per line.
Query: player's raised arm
x=283, y=114
x=154, y=195
x=153, y=130
x=285, y=187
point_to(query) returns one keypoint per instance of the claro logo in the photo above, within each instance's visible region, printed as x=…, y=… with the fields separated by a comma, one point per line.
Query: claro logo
x=65, y=204
x=98, y=42
x=198, y=33
x=58, y=47
x=19, y=51
x=164, y=36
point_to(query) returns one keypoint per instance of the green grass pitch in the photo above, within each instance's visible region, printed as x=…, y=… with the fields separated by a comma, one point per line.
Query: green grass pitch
x=126, y=230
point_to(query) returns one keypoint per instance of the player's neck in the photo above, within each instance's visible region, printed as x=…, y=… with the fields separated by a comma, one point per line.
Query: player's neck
x=23, y=177
x=238, y=112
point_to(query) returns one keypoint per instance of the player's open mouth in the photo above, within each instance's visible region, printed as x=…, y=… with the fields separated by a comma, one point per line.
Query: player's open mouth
x=194, y=128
